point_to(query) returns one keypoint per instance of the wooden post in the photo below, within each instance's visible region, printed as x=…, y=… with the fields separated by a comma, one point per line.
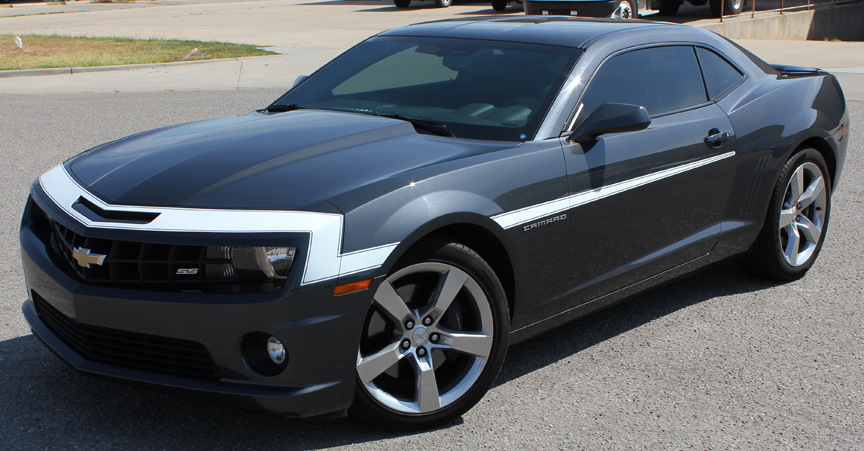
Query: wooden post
x=722, y=8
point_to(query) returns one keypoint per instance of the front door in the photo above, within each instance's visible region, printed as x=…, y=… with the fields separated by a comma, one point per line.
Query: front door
x=644, y=202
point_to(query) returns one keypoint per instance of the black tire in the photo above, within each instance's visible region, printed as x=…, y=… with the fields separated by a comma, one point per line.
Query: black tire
x=499, y=5
x=480, y=301
x=766, y=257
x=401, y=3
x=633, y=8
x=732, y=8
x=443, y=3
x=669, y=7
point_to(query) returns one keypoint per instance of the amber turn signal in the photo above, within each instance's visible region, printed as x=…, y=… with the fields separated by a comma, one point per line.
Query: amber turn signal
x=352, y=287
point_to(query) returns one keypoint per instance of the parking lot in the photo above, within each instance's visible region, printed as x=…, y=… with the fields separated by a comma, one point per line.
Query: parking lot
x=718, y=361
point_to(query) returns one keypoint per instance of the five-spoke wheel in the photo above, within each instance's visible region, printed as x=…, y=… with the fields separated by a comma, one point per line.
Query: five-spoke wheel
x=433, y=341
x=803, y=215
x=796, y=222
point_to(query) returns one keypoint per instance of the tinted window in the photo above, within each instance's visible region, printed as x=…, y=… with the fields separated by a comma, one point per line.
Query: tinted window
x=478, y=89
x=662, y=79
x=719, y=74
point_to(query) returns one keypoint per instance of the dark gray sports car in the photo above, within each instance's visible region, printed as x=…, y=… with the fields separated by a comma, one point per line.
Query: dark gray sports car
x=374, y=239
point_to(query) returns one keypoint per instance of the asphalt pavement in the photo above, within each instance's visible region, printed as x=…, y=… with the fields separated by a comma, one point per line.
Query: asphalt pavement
x=718, y=361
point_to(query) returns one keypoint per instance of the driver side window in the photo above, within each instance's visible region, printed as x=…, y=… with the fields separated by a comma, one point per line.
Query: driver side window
x=662, y=79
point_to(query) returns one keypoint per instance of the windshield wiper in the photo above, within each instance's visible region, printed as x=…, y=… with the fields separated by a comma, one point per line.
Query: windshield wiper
x=434, y=127
x=281, y=108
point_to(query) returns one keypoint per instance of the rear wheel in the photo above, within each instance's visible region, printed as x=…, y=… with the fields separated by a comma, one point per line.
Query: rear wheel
x=401, y=3
x=443, y=3
x=434, y=339
x=733, y=7
x=499, y=5
x=796, y=222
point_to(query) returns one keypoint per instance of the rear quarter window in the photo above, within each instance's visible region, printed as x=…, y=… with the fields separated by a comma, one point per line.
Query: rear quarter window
x=719, y=74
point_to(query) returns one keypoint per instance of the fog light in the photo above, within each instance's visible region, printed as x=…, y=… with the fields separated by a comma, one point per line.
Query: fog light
x=265, y=354
x=276, y=350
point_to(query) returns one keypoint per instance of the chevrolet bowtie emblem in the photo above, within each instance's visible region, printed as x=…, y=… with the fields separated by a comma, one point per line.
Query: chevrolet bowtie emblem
x=85, y=258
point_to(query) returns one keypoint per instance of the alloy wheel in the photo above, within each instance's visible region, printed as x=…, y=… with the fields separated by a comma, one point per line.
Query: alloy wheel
x=802, y=216
x=426, y=340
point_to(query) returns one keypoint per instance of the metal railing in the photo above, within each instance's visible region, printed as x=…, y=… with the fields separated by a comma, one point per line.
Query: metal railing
x=803, y=6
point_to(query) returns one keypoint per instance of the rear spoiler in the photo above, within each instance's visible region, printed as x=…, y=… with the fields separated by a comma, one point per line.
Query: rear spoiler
x=797, y=71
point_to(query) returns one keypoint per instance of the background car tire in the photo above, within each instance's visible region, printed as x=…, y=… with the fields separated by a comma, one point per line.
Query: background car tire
x=464, y=377
x=669, y=7
x=443, y=3
x=732, y=8
x=630, y=7
x=401, y=3
x=499, y=5
x=770, y=254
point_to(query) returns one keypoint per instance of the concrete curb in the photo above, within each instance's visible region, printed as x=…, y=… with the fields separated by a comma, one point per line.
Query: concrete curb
x=82, y=70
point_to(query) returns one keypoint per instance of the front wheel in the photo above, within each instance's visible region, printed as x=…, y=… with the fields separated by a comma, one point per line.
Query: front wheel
x=433, y=341
x=443, y=3
x=732, y=7
x=401, y=3
x=626, y=9
x=499, y=5
x=796, y=222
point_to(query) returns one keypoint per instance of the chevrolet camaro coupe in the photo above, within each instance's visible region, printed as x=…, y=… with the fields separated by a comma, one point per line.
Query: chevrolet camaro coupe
x=374, y=240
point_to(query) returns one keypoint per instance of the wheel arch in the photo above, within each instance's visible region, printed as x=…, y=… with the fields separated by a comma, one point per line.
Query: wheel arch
x=479, y=233
x=826, y=150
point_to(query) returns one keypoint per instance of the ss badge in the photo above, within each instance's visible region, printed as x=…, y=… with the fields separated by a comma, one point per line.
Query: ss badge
x=187, y=271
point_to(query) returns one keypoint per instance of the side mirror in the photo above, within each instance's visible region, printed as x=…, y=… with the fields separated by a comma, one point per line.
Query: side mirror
x=299, y=80
x=611, y=118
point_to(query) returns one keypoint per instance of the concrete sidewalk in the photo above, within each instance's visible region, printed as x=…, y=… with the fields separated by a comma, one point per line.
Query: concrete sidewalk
x=307, y=35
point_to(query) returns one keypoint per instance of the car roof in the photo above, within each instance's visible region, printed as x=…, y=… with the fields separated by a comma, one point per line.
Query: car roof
x=550, y=30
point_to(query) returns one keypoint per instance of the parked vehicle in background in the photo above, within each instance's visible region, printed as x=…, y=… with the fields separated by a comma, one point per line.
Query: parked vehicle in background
x=623, y=9
x=438, y=3
x=501, y=5
x=670, y=7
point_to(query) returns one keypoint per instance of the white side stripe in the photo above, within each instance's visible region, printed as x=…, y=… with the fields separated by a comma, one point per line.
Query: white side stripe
x=324, y=260
x=540, y=211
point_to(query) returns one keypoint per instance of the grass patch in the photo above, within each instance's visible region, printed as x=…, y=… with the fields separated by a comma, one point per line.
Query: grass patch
x=41, y=52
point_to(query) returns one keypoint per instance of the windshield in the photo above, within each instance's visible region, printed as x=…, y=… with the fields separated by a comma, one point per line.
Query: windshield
x=477, y=89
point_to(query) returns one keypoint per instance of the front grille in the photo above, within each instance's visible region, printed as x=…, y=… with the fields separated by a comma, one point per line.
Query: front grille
x=147, y=266
x=128, y=349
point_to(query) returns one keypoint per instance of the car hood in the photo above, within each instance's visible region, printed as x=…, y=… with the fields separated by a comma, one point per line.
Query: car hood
x=286, y=161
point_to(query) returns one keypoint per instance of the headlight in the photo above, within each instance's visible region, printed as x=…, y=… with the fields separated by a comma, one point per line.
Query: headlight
x=250, y=263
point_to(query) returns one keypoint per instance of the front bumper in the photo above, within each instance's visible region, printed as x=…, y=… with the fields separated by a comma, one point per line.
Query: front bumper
x=320, y=331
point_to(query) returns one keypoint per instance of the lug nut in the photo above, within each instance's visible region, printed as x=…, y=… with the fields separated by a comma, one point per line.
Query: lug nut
x=406, y=343
x=421, y=352
x=427, y=321
x=798, y=219
x=435, y=338
x=409, y=325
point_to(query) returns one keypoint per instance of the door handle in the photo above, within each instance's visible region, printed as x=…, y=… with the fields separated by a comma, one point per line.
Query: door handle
x=715, y=138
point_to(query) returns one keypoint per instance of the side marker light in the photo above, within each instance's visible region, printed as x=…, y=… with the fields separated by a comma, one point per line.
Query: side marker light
x=352, y=287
